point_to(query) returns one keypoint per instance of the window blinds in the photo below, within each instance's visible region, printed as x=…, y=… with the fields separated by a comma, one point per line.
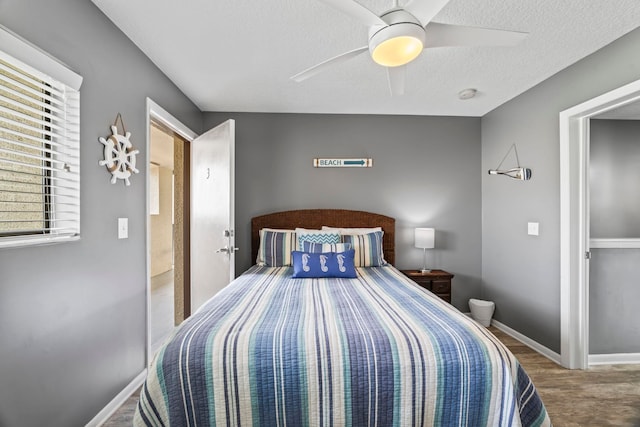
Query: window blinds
x=39, y=156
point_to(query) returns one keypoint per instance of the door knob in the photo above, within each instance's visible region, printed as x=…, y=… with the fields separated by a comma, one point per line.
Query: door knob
x=227, y=250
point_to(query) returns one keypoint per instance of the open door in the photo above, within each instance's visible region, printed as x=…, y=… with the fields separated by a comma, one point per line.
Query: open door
x=212, y=212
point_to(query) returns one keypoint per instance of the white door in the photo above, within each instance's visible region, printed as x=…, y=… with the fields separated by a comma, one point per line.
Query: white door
x=212, y=212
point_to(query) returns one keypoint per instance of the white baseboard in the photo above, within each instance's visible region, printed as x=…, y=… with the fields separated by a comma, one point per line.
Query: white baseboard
x=614, y=359
x=117, y=401
x=533, y=345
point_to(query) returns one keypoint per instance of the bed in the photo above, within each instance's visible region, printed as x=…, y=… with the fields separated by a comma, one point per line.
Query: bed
x=272, y=349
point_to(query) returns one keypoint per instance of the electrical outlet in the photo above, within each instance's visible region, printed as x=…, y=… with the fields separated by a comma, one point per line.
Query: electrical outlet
x=533, y=228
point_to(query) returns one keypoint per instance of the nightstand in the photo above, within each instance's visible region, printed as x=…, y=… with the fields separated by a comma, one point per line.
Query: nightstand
x=436, y=281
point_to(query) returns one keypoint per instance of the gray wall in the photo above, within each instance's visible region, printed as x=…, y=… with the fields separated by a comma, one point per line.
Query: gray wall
x=72, y=315
x=521, y=273
x=614, y=157
x=425, y=173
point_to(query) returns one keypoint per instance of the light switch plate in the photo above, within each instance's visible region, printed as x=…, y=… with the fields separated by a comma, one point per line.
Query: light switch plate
x=533, y=228
x=123, y=228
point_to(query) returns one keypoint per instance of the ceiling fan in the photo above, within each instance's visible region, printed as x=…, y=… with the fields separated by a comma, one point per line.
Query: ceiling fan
x=399, y=35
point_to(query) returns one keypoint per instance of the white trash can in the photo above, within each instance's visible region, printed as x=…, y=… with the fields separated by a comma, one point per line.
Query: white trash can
x=482, y=311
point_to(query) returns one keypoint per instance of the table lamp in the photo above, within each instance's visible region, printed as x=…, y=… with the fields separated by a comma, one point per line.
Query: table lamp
x=425, y=238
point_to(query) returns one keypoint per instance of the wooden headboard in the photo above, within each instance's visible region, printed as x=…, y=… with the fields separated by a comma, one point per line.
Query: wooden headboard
x=316, y=218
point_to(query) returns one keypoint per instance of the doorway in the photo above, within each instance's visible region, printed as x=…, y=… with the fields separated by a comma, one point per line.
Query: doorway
x=212, y=171
x=168, y=230
x=574, y=220
x=614, y=240
x=168, y=293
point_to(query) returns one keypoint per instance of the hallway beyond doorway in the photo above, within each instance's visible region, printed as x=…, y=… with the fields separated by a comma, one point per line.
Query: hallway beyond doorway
x=162, y=323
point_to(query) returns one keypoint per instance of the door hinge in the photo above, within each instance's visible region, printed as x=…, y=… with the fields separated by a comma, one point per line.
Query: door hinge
x=587, y=255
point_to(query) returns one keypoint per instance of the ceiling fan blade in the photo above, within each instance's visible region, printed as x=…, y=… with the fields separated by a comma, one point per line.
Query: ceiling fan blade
x=443, y=35
x=425, y=10
x=356, y=11
x=396, y=77
x=310, y=72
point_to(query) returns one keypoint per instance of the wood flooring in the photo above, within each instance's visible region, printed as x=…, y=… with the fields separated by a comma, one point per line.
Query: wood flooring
x=598, y=397
x=607, y=395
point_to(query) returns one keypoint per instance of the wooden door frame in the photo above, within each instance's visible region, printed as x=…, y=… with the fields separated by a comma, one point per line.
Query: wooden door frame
x=182, y=231
x=157, y=114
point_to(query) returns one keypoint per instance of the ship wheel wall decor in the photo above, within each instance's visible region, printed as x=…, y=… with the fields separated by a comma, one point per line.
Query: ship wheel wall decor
x=119, y=154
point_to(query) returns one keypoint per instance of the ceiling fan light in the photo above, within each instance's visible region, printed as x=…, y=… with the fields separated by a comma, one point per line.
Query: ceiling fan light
x=397, y=44
x=397, y=51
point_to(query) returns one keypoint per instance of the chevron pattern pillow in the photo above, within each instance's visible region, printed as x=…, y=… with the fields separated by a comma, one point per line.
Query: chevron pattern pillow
x=316, y=236
x=368, y=249
x=325, y=247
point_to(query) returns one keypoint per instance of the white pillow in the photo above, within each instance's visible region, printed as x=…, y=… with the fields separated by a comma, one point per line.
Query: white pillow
x=352, y=231
x=303, y=231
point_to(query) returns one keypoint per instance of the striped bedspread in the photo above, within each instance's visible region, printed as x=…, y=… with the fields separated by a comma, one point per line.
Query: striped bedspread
x=270, y=350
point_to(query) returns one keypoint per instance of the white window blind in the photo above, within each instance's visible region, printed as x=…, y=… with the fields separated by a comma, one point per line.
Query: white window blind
x=39, y=151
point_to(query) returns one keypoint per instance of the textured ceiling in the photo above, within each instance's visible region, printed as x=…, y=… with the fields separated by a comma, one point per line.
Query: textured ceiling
x=238, y=55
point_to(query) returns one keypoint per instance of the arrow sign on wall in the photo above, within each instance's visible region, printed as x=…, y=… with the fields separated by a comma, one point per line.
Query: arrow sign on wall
x=342, y=163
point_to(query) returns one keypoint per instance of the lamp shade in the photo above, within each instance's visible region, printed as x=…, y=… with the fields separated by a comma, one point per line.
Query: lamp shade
x=425, y=238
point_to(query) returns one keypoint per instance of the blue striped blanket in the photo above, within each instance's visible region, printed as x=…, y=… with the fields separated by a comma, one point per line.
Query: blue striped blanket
x=378, y=350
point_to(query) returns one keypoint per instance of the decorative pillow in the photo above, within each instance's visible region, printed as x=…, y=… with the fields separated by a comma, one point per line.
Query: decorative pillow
x=352, y=230
x=327, y=264
x=367, y=247
x=316, y=236
x=325, y=247
x=275, y=247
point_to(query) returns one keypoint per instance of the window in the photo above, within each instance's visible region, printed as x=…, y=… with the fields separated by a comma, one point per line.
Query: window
x=39, y=148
